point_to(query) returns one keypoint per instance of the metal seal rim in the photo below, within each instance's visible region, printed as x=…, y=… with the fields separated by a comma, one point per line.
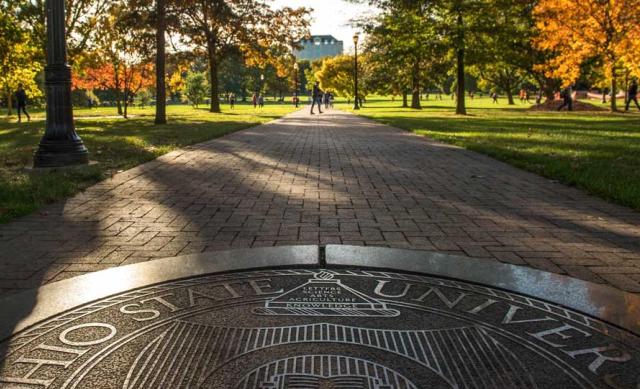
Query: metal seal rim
x=601, y=302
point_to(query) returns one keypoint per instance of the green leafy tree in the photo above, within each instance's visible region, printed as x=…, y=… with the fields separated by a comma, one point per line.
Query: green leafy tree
x=233, y=75
x=463, y=24
x=303, y=83
x=219, y=27
x=429, y=25
x=275, y=82
x=506, y=58
x=196, y=88
x=406, y=50
x=389, y=75
x=416, y=29
x=81, y=22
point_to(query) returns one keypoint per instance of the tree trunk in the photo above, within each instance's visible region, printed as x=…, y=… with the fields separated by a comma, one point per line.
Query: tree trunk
x=161, y=91
x=614, y=88
x=126, y=102
x=510, y=97
x=546, y=90
x=460, y=104
x=549, y=95
x=405, y=103
x=213, y=78
x=626, y=86
x=9, y=103
x=415, y=85
x=117, y=90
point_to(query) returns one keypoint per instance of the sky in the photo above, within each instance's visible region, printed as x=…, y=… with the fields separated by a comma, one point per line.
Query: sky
x=330, y=17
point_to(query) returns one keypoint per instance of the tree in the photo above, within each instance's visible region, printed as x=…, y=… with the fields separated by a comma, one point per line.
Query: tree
x=336, y=74
x=126, y=45
x=81, y=23
x=388, y=72
x=276, y=81
x=464, y=23
x=124, y=78
x=17, y=60
x=303, y=83
x=196, y=88
x=504, y=59
x=405, y=42
x=177, y=68
x=575, y=31
x=219, y=27
x=456, y=24
x=121, y=60
x=233, y=74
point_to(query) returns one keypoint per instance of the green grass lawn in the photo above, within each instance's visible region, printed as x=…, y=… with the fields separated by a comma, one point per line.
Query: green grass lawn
x=598, y=152
x=116, y=143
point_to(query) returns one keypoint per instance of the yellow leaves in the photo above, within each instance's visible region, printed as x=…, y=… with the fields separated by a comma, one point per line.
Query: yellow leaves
x=336, y=74
x=175, y=81
x=578, y=30
x=631, y=53
x=18, y=66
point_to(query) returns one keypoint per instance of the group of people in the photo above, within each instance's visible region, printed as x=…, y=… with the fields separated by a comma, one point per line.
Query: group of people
x=257, y=100
x=319, y=98
x=524, y=96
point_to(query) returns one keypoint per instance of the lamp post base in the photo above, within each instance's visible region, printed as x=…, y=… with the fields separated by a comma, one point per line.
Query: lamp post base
x=58, y=153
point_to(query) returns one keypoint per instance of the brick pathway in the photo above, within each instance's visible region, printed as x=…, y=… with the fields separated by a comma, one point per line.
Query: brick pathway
x=335, y=178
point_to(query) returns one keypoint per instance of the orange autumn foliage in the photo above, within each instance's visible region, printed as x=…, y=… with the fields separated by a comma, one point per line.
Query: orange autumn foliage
x=115, y=76
x=576, y=31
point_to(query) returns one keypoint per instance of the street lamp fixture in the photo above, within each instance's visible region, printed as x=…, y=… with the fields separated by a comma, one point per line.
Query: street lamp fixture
x=356, y=105
x=261, y=83
x=60, y=145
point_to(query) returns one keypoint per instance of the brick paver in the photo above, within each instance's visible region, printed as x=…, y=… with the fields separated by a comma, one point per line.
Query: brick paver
x=335, y=178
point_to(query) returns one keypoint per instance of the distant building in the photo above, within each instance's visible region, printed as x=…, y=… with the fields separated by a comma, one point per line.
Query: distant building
x=319, y=46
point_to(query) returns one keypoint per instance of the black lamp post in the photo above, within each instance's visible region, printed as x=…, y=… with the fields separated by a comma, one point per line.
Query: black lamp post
x=60, y=145
x=296, y=67
x=356, y=105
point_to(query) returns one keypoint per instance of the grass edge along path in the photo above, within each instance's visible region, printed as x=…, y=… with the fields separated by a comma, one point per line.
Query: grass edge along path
x=117, y=144
x=598, y=152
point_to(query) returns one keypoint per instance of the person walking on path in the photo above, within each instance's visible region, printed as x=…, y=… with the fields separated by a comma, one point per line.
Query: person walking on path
x=315, y=97
x=261, y=101
x=632, y=95
x=494, y=96
x=567, y=99
x=21, y=103
x=254, y=100
x=296, y=99
x=232, y=100
x=326, y=99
